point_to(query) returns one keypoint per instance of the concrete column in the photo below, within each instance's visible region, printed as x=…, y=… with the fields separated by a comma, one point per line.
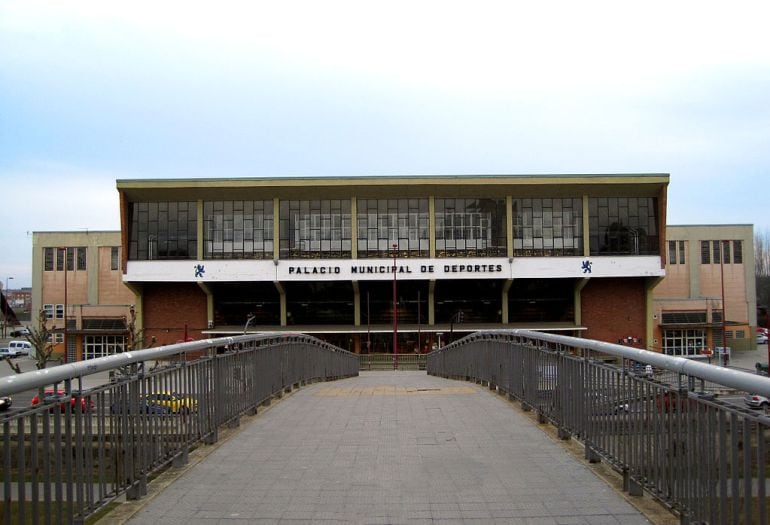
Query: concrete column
x=276, y=229
x=586, y=228
x=200, y=243
x=356, y=304
x=579, y=285
x=432, y=225
x=509, y=225
x=209, y=303
x=504, y=299
x=353, y=228
x=282, y=291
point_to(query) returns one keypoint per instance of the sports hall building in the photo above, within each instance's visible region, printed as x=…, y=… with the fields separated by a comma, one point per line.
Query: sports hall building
x=346, y=259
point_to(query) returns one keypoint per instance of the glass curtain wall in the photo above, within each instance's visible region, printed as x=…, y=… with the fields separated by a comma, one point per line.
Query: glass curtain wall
x=163, y=230
x=385, y=222
x=547, y=227
x=238, y=229
x=470, y=227
x=623, y=225
x=317, y=229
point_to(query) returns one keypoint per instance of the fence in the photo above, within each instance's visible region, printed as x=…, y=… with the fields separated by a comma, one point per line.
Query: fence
x=79, y=448
x=704, y=458
x=392, y=362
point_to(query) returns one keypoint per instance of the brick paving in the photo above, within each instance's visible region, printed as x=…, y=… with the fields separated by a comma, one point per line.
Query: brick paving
x=389, y=448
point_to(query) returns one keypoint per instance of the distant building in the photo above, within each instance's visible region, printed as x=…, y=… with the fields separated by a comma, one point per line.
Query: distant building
x=709, y=288
x=77, y=278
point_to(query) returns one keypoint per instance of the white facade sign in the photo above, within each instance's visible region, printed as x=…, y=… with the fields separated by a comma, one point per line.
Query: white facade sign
x=383, y=269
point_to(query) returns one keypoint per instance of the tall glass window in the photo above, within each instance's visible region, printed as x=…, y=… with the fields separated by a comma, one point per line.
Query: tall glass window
x=544, y=227
x=163, y=230
x=684, y=342
x=48, y=255
x=103, y=345
x=315, y=229
x=114, y=258
x=238, y=229
x=385, y=222
x=624, y=225
x=470, y=227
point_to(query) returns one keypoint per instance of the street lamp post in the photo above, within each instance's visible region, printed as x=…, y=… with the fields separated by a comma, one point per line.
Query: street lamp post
x=64, y=252
x=395, y=310
x=724, y=309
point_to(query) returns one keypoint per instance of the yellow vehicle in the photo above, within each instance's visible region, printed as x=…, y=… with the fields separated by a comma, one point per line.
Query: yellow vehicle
x=171, y=402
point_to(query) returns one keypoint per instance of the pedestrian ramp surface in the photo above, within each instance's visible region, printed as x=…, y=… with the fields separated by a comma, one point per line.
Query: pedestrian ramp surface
x=388, y=448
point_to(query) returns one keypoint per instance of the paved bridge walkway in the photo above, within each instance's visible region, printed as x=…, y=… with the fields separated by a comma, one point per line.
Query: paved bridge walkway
x=389, y=448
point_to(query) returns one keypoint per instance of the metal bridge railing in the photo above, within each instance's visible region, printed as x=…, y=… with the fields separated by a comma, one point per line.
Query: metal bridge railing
x=704, y=458
x=76, y=451
x=392, y=362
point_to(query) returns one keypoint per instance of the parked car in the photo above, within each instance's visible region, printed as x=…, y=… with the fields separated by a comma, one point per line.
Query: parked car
x=126, y=407
x=58, y=398
x=5, y=403
x=7, y=353
x=763, y=330
x=761, y=339
x=756, y=401
x=172, y=402
x=24, y=347
x=20, y=332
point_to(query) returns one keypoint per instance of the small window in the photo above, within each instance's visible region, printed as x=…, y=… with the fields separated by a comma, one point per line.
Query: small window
x=705, y=252
x=681, y=252
x=48, y=256
x=60, y=259
x=60, y=311
x=738, y=252
x=716, y=252
x=671, y=252
x=82, y=257
x=726, y=251
x=70, y=259
x=114, y=258
x=48, y=308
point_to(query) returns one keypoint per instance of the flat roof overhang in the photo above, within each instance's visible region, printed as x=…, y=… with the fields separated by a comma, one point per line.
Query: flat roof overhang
x=634, y=185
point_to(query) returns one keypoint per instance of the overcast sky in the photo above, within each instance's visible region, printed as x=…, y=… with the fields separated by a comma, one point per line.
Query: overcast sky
x=94, y=91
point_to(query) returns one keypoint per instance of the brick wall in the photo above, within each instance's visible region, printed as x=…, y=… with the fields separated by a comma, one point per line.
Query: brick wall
x=168, y=307
x=613, y=309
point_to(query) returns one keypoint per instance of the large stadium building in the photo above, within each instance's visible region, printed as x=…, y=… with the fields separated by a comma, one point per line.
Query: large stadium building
x=356, y=260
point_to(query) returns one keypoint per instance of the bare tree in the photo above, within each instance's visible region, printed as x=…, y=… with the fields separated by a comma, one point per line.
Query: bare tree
x=41, y=339
x=135, y=336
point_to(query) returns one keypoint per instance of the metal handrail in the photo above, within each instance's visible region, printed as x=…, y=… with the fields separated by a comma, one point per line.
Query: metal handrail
x=736, y=379
x=37, y=378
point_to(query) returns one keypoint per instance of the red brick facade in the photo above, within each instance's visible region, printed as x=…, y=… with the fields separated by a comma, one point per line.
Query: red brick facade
x=168, y=307
x=614, y=309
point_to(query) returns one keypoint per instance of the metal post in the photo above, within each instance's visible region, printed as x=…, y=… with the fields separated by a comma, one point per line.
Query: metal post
x=724, y=309
x=395, y=310
x=368, y=326
x=65, y=303
x=419, y=345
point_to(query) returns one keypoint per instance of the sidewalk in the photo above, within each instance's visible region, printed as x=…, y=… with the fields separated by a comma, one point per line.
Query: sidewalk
x=746, y=359
x=390, y=447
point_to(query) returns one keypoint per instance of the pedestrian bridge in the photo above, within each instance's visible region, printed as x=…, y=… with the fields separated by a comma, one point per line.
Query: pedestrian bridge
x=487, y=434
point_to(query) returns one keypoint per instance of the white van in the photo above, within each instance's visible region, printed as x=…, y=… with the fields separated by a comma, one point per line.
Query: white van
x=21, y=347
